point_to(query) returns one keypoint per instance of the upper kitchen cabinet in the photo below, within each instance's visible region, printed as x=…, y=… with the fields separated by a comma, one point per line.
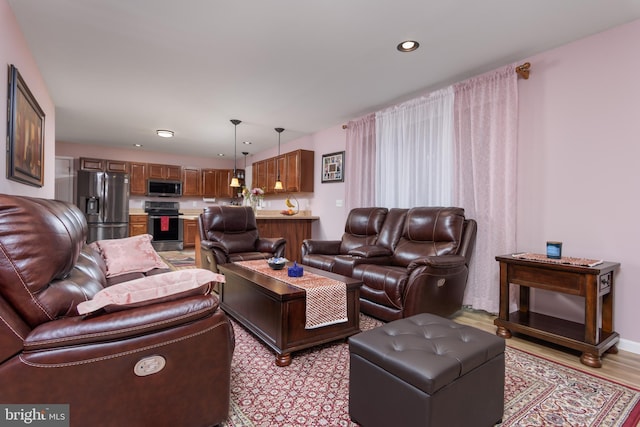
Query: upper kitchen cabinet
x=215, y=183
x=169, y=172
x=259, y=172
x=191, y=182
x=298, y=177
x=296, y=172
x=102, y=165
x=138, y=179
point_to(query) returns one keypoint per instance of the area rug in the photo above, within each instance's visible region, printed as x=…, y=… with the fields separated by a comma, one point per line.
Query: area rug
x=178, y=260
x=314, y=389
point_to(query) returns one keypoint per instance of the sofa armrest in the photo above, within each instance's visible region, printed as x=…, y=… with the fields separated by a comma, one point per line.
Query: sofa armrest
x=324, y=247
x=438, y=262
x=370, y=251
x=211, y=245
x=120, y=325
x=274, y=245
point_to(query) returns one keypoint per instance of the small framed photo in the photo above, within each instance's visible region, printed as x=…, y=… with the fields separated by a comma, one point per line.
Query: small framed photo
x=333, y=167
x=25, y=133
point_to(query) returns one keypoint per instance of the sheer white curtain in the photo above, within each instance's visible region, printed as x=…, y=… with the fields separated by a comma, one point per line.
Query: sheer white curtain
x=486, y=135
x=414, y=152
x=360, y=155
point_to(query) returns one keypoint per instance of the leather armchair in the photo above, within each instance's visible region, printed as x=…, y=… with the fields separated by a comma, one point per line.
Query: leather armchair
x=230, y=233
x=50, y=354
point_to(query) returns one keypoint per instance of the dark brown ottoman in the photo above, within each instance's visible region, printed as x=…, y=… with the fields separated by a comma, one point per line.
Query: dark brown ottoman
x=426, y=371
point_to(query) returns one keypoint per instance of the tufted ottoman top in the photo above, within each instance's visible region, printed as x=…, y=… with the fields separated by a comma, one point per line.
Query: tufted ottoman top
x=425, y=350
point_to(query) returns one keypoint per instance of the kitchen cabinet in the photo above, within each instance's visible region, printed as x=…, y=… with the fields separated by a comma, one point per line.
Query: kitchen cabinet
x=102, y=165
x=296, y=172
x=189, y=232
x=191, y=181
x=169, y=172
x=215, y=183
x=208, y=182
x=137, y=225
x=259, y=170
x=293, y=229
x=137, y=179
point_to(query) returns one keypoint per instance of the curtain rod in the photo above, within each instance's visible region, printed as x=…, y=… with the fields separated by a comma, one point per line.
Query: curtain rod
x=521, y=71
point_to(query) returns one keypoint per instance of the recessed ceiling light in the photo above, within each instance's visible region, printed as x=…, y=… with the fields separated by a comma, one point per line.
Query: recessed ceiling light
x=408, y=46
x=247, y=142
x=137, y=145
x=220, y=154
x=164, y=133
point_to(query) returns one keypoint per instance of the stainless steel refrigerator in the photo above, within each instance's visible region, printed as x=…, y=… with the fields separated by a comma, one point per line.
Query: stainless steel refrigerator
x=103, y=197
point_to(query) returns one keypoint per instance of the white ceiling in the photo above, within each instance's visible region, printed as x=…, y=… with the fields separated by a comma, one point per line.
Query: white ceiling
x=117, y=70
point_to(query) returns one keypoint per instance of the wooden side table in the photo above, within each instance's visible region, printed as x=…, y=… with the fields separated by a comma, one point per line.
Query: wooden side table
x=593, y=338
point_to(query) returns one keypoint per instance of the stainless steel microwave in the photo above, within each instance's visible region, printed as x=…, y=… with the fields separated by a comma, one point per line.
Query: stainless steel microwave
x=164, y=188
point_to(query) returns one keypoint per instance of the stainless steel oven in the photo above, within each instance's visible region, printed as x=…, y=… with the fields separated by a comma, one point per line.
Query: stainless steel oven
x=165, y=225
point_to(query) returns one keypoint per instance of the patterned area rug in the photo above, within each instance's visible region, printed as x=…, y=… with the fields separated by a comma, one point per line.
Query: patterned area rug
x=314, y=389
x=178, y=260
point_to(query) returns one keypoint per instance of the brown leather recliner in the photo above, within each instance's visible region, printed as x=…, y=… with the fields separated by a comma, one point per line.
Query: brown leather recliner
x=49, y=354
x=230, y=233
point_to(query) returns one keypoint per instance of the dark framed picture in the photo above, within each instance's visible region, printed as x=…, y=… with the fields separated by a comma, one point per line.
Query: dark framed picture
x=25, y=133
x=333, y=167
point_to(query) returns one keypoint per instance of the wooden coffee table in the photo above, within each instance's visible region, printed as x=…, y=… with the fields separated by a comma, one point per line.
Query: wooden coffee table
x=275, y=311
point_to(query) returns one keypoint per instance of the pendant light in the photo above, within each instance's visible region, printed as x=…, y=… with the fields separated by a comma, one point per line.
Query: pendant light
x=278, y=185
x=234, y=180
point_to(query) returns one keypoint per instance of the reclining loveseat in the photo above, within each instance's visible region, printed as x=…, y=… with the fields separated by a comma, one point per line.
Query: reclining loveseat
x=410, y=260
x=162, y=362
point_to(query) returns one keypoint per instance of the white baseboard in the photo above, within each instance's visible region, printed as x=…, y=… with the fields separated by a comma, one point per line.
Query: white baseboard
x=630, y=346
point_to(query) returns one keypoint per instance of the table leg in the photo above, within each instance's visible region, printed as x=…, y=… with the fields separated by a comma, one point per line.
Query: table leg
x=283, y=359
x=592, y=360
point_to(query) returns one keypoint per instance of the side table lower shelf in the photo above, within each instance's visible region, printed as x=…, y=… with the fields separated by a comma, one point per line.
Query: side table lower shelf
x=558, y=331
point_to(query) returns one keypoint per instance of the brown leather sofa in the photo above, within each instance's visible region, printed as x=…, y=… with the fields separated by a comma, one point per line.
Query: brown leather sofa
x=411, y=260
x=230, y=233
x=49, y=354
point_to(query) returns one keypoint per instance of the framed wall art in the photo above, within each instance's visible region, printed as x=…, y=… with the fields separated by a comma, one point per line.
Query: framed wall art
x=333, y=167
x=25, y=133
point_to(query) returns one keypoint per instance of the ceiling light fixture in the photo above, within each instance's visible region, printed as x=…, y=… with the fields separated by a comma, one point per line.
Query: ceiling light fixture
x=234, y=180
x=278, y=185
x=164, y=133
x=408, y=46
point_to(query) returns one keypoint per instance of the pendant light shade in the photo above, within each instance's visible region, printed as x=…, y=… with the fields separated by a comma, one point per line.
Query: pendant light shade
x=234, y=181
x=278, y=185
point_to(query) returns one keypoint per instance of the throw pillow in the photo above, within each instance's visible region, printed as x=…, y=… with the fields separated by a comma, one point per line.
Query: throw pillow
x=129, y=255
x=151, y=290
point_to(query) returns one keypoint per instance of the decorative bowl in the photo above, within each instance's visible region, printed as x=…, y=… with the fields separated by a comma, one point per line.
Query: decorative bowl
x=277, y=263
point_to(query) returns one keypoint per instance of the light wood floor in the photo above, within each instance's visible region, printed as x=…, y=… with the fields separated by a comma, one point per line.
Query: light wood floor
x=623, y=367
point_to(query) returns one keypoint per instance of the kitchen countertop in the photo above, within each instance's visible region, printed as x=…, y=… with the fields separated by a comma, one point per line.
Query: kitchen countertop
x=261, y=214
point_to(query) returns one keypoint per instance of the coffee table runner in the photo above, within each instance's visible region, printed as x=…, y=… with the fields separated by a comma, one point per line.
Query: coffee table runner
x=326, y=299
x=583, y=262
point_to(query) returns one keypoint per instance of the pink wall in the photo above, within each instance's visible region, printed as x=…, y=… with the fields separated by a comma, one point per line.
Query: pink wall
x=578, y=170
x=14, y=50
